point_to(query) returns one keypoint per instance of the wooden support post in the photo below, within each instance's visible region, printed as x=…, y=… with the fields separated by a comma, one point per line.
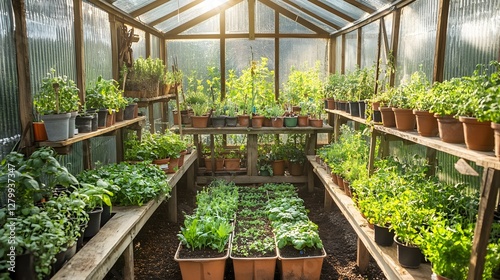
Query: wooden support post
x=328, y=201
x=79, y=48
x=128, y=256
x=311, y=144
x=212, y=153
x=331, y=122
x=342, y=61
x=332, y=47
x=487, y=203
x=431, y=155
x=147, y=40
x=251, y=19
x=252, y=155
x=23, y=74
x=115, y=66
x=310, y=177
x=440, y=49
x=363, y=256
x=373, y=147
x=151, y=117
x=87, y=154
x=119, y=145
x=190, y=179
x=396, y=23
x=359, y=49
x=172, y=205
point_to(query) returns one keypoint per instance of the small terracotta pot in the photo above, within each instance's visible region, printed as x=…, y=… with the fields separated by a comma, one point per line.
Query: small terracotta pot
x=199, y=121
x=278, y=167
x=243, y=120
x=316, y=122
x=450, y=129
x=277, y=122
x=427, y=125
x=39, y=132
x=404, y=118
x=303, y=120
x=330, y=103
x=478, y=135
x=257, y=121
x=388, y=119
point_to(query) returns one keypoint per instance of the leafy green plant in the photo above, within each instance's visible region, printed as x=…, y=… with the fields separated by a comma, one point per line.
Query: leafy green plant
x=96, y=195
x=145, y=74
x=105, y=94
x=301, y=235
x=58, y=94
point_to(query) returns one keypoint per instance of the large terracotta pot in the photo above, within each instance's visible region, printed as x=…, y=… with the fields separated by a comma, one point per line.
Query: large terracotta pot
x=316, y=122
x=404, y=118
x=388, y=119
x=279, y=167
x=496, y=129
x=257, y=121
x=296, y=169
x=477, y=135
x=427, y=125
x=303, y=120
x=243, y=120
x=277, y=122
x=199, y=121
x=232, y=164
x=450, y=129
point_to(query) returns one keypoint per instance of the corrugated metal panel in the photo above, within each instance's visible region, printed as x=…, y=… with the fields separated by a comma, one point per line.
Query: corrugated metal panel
x=103, y=150
x=74, y=160
x=51, y=39
x=369, y=44
x=351, y=48
x=96, y=32
x=302, y=54
x=139, y=48
x=472, y=37
x=155, y=46
x=417, y=38
x=10, y=128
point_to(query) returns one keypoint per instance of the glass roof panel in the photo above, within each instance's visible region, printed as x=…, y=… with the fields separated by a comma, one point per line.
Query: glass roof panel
x=163, y=10
x=129, y=6
x=189, y=15
x=292, y=27
x=209, y=26
x=305, y=16
x=375, y=4
x=321, y=12
x=345, y=8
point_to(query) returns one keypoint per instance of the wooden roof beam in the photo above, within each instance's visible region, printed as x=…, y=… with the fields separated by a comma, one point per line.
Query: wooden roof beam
x=332, y=10
x=125, y=18
x=360, y=6
x=277, y=8
x=174, y=13
x=212, y=12
x=325, y=21
x=148, y=7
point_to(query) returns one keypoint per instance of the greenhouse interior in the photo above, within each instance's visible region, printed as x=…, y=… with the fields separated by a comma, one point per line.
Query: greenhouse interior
x=142, y=139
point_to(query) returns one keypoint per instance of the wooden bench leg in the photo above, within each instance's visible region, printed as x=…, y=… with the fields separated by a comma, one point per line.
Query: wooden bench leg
x=172, y=205
x=363, y=257
x=310, y=177
x=128, y=268
x=190, y=178
x=328, y=201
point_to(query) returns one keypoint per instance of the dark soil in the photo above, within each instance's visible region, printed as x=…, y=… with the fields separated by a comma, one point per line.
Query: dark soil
x=156, y=244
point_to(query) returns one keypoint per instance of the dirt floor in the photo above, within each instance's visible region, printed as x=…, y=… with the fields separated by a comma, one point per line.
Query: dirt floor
x=156, y=244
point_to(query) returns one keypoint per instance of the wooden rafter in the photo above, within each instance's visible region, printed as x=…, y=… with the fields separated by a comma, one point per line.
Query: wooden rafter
x=325, y=21
x=332, y=10
x=212, y=12
x=174, y=13
x=277, y=8
x=148, y=7
x=360, y=6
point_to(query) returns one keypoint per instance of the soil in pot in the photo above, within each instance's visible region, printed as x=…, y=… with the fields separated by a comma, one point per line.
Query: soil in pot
x=478, y=135
x=388, y=119
x=427, y=125
x=404, y=118
x=450, y=129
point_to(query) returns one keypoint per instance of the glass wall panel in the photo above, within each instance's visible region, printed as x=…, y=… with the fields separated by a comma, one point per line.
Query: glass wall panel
x=10, y=127
x=472, y=37
x=237, y=18
x=139, y=48
x=302, y=54
x=155, y=46
x=264, y=19
x=288, y=26
x=51, y=39
x=351, y=48
x=96, y=32
x=193, y=55
x=369, y=44
x=417, y=38
x=240, y=52
x=338, y=54
x=346, y=8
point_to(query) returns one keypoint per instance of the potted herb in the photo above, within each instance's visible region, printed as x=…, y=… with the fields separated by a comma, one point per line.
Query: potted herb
x=106, y=97
x=57, y=102
x=143, y=78
x=198, y=102
x=232, y=161
x=94, y=197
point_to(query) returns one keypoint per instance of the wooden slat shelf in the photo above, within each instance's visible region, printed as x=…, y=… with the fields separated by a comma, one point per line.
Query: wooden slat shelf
x=386, y=257
x=84, y=136
x=99, y=255
x=348, y=116
x=155, y=99
x=251, y=130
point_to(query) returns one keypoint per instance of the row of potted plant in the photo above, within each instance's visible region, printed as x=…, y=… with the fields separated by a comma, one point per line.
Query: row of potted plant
x=58, y=104
x=275, y=160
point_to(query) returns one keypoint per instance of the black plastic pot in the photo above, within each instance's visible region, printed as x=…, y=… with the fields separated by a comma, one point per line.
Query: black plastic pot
x=106, y=214
x=101, y=119
x=59, y=261
x=219, y=121
x=84, y=123
x=79, y=242
x=377, y=116
x=362, y=109
x=408, y=256
x=94, y=224
x=354, y=108
x=26, y=267
x=231, y=121
x=129, y=112
x=383, y=236
x=70, y=252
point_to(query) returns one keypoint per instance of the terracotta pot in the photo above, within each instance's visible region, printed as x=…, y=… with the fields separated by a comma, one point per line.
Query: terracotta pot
x=388, y=119
x=277, y=122
x=111, y=119
x=120, y=115
x=181, y=158
x=303, y=120
x=232, y=164
x=375, y=106
x=199, y=121
x=257, y=121
x=316, y=122
x=279, y=167
x=186, y=117
x=450, y=129
x=340, y=182
x=477, y=135
x=439, y=277
x=254, y=268
x=347, y=188
x=267, y=122
x=176, y=117
x=243, y=120
x=334, y=179
x=202, y=268
x=296, y=169
x=162, y=163
x=427, y=125
x=39, y=132
x=405, y=120
x=308, y=267
x=173, y=165
x=330, y=103
x=496, y=129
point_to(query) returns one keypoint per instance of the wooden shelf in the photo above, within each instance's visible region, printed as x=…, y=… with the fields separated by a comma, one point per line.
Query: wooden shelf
x=83, y=136
x=251, y=130
x=345, y=115
x=99, y=255
x=160, y=98
x=386, y=257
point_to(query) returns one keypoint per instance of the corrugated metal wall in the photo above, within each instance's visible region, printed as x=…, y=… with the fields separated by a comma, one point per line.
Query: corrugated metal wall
x=417, y=38
x=473, y=35
x=10, y=127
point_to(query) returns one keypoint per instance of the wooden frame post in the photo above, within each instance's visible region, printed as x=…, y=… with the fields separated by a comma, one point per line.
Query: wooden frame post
x=342, y=61
x=79, y=48
x=396, y=23
x=359, y=49
x=442, y=28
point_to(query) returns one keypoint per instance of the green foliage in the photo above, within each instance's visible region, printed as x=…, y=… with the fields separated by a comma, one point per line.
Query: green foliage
x=303, y=85
x=145, y=74
x=105, y=94
x=352, y=86
x=153, y=146
x=413, y=94
x=57, y=95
